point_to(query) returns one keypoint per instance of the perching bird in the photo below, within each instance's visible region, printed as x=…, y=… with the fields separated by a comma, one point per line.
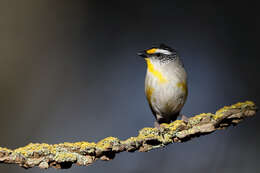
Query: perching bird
x=165, y=83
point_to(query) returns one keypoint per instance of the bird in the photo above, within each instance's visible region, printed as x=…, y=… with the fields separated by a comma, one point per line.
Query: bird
x=165, y=83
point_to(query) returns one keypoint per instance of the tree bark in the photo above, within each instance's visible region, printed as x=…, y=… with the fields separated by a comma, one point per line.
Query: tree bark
x=85, y=153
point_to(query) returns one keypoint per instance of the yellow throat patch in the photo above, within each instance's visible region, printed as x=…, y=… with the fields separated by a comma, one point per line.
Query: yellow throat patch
x=155, y=72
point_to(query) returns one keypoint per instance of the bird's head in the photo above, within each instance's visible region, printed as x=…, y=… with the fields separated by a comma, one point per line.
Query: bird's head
x=162, y=53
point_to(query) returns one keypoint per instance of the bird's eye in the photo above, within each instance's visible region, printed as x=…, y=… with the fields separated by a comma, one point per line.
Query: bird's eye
x=158, y=54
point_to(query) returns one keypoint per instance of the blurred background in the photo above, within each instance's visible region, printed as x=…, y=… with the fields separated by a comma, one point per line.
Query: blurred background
x=69, y=72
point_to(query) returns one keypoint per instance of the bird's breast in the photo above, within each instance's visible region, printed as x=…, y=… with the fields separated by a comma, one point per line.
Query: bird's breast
x=166, y=90
x=157, y=74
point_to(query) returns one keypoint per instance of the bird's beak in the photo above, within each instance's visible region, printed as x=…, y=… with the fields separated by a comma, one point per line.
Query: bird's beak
x=142, y=54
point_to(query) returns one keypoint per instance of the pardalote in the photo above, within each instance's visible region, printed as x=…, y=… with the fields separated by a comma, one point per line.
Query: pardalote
x=165, y=83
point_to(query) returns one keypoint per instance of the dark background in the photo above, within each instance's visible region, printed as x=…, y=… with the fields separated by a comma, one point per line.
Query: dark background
x=69, y=72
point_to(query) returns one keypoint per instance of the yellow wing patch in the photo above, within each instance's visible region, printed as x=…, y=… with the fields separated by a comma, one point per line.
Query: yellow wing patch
x=182, y=86
x=149, y=93
x=155, y=72
x=151, y=51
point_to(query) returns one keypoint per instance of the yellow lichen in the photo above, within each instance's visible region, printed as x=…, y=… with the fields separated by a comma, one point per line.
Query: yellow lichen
x=242, y=104
x=198, y=118
x=64, y=156
x=45, y=149
x=30, y=149
x=220, y=112
x=40, y=149
x=80, y=150
x=239, y=105
x=79, y=145
x=107, y=143
x=148, y=132
x=85, y=145
x=5, y=150
x=130, y=140
x=68, y=144
x=174, y=125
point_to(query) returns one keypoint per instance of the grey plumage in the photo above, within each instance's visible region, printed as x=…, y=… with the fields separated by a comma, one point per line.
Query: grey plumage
x=165, y=84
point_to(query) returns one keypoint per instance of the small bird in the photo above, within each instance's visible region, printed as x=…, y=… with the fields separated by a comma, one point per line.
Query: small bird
x=165, y=83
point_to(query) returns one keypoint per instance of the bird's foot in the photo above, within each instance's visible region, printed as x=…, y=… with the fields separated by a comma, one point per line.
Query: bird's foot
x=184, y=118
x=157, y=125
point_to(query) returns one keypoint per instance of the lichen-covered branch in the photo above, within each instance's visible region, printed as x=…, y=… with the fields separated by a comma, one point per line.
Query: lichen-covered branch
x=84, y=153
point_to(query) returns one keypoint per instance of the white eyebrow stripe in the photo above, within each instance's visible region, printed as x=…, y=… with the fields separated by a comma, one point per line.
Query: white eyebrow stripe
x=163, y=51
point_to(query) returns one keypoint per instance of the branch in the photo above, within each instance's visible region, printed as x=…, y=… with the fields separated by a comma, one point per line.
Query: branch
x=85, y=153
